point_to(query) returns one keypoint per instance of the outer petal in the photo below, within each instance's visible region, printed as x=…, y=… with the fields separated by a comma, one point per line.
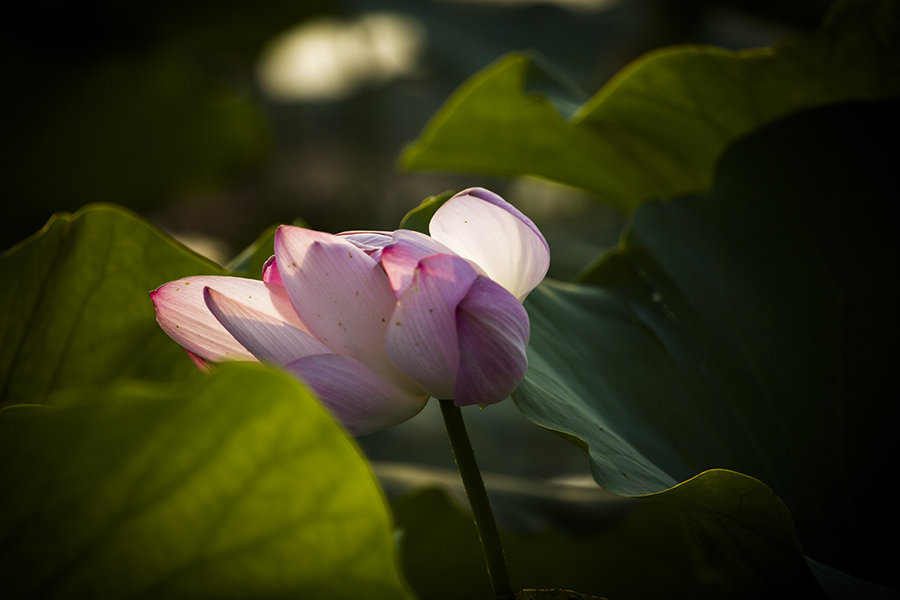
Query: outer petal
x=493, y=329
x=181, y=312
x=343, y=296
x=361, y=400
x=402, y=256
x=422, y=338
x=268, y=338
x=485, y=228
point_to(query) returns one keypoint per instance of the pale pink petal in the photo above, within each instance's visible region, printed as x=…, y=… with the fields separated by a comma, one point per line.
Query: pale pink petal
x=493, y=329
x=422, y=338
x=484, y=228
x=402, y=256
x=268, y=338
x=361, y=400
x=270, y=272
x=181, y=312
x=199, y=361
x=370, y=242
x=341, y=294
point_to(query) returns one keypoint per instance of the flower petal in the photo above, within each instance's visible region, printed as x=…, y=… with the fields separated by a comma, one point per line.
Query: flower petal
x=370, y=242
x=199, y=361
x=402, y=256
x=341, y=294
x=493, y=330
x=422, y=339
x=268, y=338
x=485, y=228
x=362, y=401
x=270, y=273
x=182, y=313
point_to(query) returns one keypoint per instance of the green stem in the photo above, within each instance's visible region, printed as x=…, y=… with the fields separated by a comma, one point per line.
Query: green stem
x=478, y=499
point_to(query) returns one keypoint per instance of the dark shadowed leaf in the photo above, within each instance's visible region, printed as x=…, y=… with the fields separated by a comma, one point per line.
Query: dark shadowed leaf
x=745, y=329
x=558, y=536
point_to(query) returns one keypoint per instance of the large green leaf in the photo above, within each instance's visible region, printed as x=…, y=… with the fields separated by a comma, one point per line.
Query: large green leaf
x=746, y=329
x=658, y=127
x=580, y=538
x=234, y=485
x=76, y=304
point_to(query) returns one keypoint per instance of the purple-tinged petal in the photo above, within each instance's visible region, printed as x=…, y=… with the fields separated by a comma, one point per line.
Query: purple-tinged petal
x=341, y=294
x=268, y=338
x=270, y=273
x=181, y=312
x=493, y=330
x=370, y=242
x=401, y=257
x=422, y=339
x=486, y=229
x=361, y=400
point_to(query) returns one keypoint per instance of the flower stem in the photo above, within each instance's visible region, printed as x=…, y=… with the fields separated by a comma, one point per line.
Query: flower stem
x=478, y=499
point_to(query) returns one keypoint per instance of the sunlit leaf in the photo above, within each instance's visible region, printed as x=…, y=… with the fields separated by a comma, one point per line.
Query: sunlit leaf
x=658, y=127
x=234, y=485
x=744, y=329
x=76, y=304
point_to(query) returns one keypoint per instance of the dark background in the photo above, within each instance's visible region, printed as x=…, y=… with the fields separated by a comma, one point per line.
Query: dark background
x=160, y=107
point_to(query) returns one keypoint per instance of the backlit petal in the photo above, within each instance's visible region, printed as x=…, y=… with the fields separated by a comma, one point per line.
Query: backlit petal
x=402, y=256
x=268, y=338
x=341, y=294
x=483, y=227
x=422, y=339
x=493, y=330
x=182, y=313
x=361, y=400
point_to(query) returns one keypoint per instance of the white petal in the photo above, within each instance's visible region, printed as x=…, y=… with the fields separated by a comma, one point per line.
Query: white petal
x=482, y=227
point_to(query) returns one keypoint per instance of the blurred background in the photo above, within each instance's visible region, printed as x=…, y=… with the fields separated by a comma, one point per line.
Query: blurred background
x=217, y=119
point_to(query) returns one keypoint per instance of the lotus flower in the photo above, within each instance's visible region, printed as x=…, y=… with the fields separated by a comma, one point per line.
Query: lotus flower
x=375, y=322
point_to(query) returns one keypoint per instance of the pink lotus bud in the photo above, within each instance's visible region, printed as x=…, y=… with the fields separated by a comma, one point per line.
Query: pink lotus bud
x=374, y=322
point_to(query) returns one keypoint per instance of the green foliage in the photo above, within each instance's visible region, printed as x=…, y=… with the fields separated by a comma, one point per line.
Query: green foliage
x=738, y=329
x=76, y=304
x=234, y=485
x=418, y=218
x=725, y=363
x=250, y=261
x=144, y=477
x=627, y=549
x=659, y=126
